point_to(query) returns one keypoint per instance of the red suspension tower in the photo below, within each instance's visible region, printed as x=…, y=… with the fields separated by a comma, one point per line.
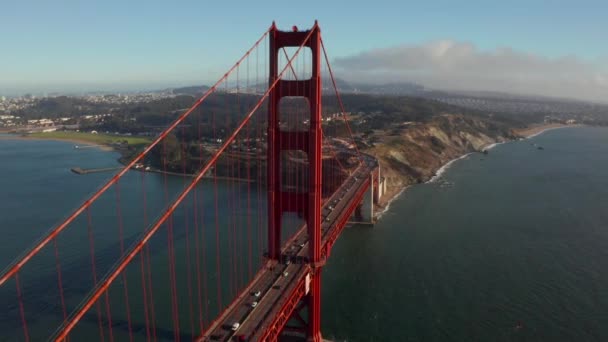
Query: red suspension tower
x=307, y=204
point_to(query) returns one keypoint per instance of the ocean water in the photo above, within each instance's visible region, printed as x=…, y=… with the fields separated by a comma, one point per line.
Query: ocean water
x=509, y=246
x=38, y=190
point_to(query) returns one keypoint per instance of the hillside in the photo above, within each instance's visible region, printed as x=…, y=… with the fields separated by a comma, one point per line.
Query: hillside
x=413, y=153
x=412, y=137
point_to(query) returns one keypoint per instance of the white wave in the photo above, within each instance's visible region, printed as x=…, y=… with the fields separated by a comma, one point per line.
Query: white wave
x=491, y=146
x=438, y=174
x=388, y=205
x=446, y=166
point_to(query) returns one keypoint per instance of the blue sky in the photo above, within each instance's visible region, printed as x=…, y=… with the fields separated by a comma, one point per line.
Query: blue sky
x=62, y=44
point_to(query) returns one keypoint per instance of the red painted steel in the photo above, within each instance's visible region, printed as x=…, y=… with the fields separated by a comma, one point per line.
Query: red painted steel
x=309, y=142
x=133, y=251
x=344, y=217
x=17, y=265
x=274, y=329
x=305, y=290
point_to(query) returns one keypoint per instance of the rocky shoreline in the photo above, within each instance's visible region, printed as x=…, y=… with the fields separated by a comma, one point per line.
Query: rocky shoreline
x=416, y=155
x=398, y=184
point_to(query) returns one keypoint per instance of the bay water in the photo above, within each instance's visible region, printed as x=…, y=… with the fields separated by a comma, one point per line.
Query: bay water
x=509, y=246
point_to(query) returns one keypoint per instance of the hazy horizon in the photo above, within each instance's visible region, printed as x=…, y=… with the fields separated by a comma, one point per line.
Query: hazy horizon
x=92, y=88
x=514, y=47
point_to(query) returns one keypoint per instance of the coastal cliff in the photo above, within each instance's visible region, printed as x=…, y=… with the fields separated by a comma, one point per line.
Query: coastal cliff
x=412, y=152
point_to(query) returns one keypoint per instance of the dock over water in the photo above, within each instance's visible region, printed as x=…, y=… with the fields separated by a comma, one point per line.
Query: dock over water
x=82, y=171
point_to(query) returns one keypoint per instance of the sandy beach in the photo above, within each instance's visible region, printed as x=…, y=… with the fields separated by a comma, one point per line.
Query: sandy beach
x=535, y=130
x=75, y=141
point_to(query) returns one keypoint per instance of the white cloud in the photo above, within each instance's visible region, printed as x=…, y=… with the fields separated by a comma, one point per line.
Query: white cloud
x=452, y=65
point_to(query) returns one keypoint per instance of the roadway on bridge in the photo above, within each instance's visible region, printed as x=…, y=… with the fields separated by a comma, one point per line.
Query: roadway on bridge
x=275, y=283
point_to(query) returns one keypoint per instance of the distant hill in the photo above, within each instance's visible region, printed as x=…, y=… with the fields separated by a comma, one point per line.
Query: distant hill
x=60, y=106
x=400, y=88
x=343, y=86
x=403, y=88
x=191, y=90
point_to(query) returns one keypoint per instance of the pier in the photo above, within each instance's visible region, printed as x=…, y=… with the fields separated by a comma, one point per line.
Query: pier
x=81, y=171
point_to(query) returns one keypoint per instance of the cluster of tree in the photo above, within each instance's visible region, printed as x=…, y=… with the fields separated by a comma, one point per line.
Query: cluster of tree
x=227, y=109
x=382, y=111
x=61, y=106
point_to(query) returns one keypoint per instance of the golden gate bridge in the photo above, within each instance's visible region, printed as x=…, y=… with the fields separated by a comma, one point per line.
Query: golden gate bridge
x=237, y=251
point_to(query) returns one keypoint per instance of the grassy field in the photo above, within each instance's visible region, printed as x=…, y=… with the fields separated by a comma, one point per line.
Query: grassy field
x=100, y=139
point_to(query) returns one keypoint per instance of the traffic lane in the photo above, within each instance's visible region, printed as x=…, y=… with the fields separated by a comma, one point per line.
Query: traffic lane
x=300, y=245
x=243, y=309
x=270, y=301
x=328, y=216
x=274, y=302
x=346, y=196
x=292, y=281
x=223, y=330
x=270, y=294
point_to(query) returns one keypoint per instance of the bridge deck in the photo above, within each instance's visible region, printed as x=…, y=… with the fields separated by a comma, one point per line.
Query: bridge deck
x=274, y=286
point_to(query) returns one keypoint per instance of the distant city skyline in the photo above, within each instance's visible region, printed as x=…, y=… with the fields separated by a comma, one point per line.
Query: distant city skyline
x=520, y=46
